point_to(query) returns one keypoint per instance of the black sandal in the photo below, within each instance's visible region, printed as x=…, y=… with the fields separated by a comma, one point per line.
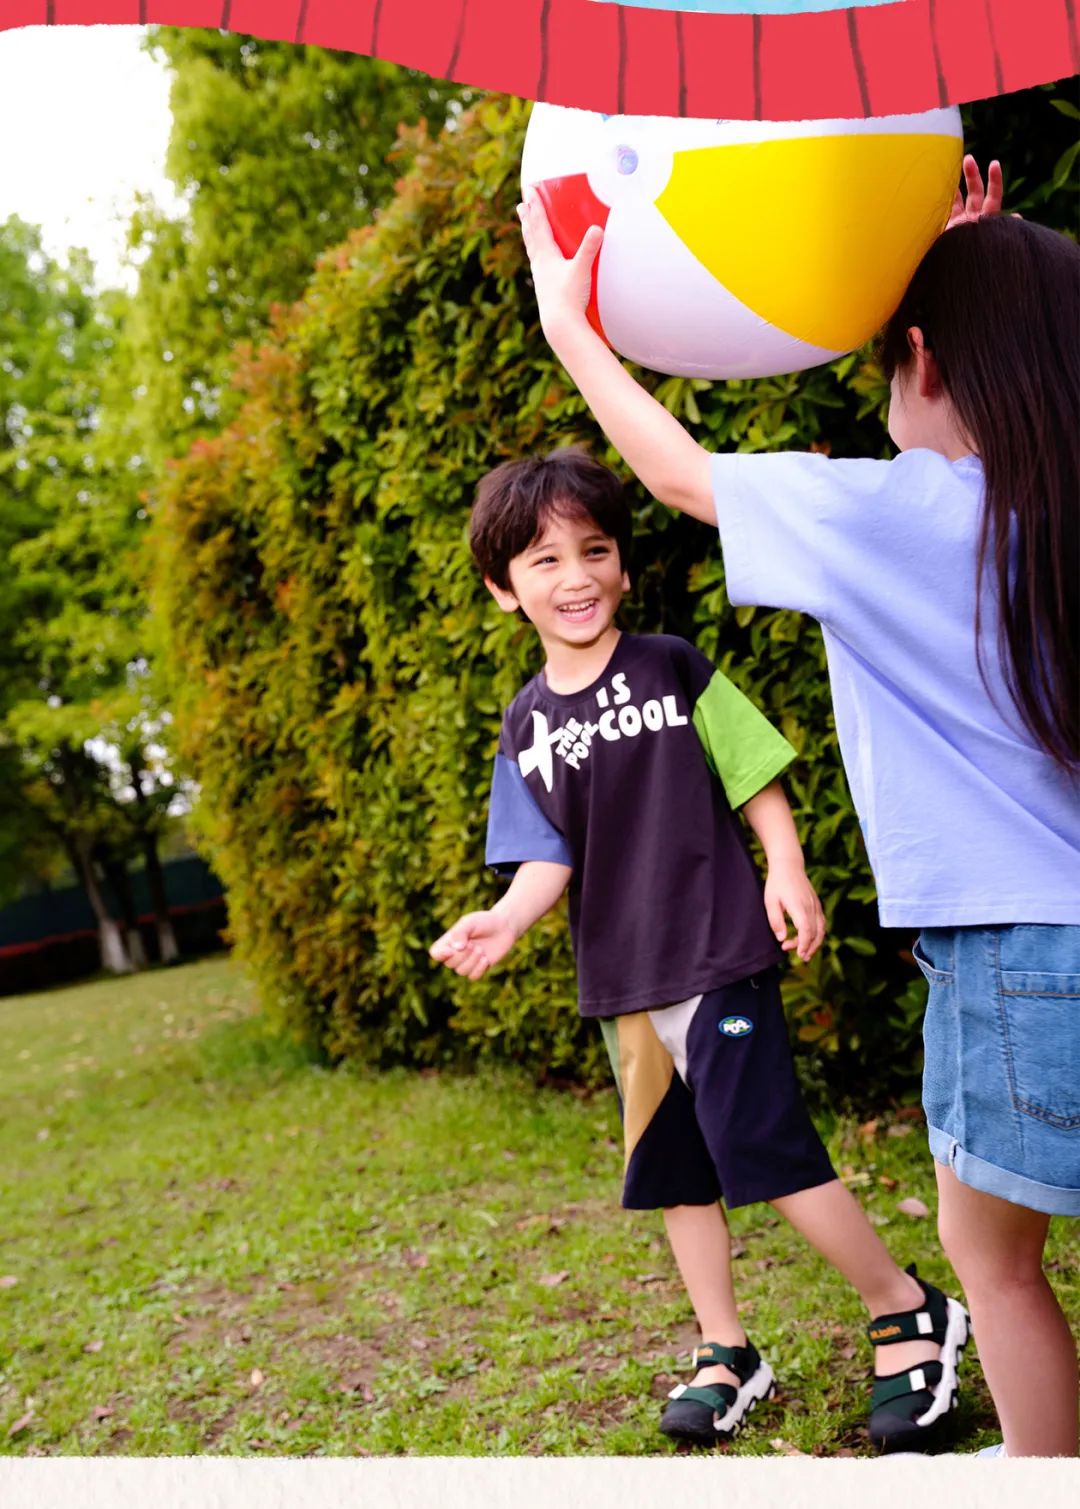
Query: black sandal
x=904, y=1406
x=710, y=1412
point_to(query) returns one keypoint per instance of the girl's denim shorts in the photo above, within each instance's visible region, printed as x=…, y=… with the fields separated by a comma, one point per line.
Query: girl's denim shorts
x=1001, y=1086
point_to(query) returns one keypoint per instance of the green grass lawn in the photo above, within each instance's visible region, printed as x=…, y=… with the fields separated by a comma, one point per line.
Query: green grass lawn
x=209, y=1244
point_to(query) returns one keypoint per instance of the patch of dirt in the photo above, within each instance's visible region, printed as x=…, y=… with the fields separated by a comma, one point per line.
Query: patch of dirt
x=219, y=1428
x=214, y=1308
x=98, y=1414
x=217, y=1311
x=297, y=1325
x=351, y=1361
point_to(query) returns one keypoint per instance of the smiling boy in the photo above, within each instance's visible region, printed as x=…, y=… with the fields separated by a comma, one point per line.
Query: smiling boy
x=621, y=768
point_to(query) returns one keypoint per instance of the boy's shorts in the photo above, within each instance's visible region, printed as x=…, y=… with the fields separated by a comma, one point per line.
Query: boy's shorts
x=710, y=1104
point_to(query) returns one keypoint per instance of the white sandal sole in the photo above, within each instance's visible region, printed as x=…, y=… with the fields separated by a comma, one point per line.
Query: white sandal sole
x=957, y=1335
x=760, y=1385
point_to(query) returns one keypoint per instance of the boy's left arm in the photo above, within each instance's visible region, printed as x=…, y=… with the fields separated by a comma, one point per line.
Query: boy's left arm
x=787, y=889
x=746, y=754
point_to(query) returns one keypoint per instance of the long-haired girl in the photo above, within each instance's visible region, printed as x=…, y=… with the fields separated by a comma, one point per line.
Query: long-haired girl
x=946, y=583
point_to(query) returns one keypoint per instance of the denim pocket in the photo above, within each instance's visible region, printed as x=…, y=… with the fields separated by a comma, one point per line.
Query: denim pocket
x=1041, y=1013
x=934, y=951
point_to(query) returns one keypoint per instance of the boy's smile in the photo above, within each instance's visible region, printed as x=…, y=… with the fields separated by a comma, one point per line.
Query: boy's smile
x=568, y=583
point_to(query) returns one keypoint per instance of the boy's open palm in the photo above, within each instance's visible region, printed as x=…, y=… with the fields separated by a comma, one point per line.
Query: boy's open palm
x=474, y=943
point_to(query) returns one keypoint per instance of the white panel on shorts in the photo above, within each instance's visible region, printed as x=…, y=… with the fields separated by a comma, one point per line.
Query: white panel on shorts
x=672, y=1026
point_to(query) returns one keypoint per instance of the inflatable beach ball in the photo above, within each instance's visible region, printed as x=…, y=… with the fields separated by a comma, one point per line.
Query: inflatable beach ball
x=744, y=248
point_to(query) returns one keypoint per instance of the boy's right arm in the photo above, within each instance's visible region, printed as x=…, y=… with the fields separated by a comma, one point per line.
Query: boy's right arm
x=652, y=442
x=480, y=939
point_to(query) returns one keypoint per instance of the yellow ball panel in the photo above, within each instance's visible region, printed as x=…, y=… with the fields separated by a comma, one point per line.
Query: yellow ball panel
x=778, y=224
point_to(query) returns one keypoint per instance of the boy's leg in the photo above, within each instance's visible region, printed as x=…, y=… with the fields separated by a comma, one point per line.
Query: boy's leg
x=668, y=1166
x=1025, y=1346
x=761, y=1139
x=701, y=1244
x=832, y=1221
x=765, y=1147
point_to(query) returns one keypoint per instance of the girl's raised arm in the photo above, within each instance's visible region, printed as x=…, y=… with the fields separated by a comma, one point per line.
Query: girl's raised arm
x=652, y=442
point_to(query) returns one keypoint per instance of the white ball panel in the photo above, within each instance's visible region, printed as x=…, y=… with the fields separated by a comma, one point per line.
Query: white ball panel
x=680, y=316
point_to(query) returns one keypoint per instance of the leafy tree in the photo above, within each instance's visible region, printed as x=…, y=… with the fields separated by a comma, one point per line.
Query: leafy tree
x=278, y=151
x=73, y=699
x=30, y=855
x=47, y=332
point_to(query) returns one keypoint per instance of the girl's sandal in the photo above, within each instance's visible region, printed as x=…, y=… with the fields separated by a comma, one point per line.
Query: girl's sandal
x=905, y=1405
x=710, y=1412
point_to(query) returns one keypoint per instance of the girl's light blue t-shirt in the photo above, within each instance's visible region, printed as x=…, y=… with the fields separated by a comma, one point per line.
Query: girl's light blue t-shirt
x=966, y=821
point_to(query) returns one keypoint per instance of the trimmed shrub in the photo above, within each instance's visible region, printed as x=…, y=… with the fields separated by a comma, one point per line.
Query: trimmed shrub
x=339, y=671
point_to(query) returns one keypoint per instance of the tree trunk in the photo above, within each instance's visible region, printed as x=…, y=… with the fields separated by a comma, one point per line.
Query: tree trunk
x=155, y=877
x=117, y=876
x=114, y=956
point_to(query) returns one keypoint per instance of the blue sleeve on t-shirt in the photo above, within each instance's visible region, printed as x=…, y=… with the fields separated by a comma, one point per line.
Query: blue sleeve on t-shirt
x=517, y=830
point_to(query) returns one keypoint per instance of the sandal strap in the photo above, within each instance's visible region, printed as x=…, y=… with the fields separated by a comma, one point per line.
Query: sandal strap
x=908, y=1325
x=718, y=1396
x=918, y=1380
x=742, y=1361
x=709, y=1352
x=929, y=1321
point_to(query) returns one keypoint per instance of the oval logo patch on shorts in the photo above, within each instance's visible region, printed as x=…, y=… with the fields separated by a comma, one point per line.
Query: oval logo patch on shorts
x=736, y=1026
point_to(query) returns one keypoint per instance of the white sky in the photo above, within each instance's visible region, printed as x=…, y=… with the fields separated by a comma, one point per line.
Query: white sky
x=84, y=123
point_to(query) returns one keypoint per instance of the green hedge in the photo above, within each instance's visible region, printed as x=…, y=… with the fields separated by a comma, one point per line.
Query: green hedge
x=339, y=672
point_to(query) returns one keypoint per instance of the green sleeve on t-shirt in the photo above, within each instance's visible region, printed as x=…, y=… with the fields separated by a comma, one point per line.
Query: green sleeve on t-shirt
x=744, y=751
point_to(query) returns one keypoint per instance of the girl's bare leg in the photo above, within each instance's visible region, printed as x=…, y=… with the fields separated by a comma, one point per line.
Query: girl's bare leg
x=1026, y=1348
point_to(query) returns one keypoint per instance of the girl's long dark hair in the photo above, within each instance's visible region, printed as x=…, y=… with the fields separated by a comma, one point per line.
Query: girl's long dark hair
x=998, y=302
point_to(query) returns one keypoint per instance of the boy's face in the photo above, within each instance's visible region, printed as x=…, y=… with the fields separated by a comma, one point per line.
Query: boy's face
x=568, y=582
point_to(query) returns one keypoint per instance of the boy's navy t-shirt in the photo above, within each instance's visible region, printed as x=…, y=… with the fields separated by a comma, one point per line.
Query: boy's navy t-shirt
x=633, y=782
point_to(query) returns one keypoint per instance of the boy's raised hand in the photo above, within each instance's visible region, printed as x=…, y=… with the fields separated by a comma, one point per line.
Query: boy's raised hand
x=474, y=943
x=563, y=284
